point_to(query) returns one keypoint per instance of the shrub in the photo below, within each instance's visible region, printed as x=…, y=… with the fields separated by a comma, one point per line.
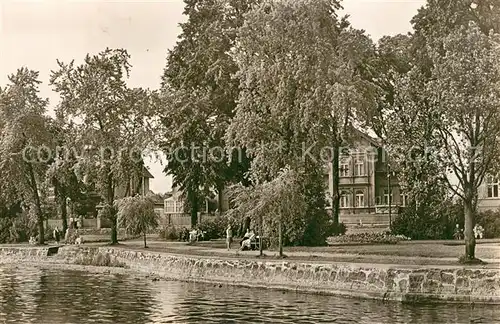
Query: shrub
x=490, y=221
x=214, y=228
x=338, y=229
x=431, y=222
x=366, y=238
x=169, y=233
x=16, y=228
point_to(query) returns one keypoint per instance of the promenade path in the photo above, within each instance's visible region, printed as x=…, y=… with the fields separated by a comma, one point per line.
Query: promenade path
x=418, y=253
x=408, y=253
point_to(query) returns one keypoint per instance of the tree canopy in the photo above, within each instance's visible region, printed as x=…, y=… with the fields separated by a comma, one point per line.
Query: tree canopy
x=25, y=142
x=199, y=96
x=111, y=121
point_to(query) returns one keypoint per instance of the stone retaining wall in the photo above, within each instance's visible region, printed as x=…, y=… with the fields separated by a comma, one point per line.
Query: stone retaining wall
x=406, y=284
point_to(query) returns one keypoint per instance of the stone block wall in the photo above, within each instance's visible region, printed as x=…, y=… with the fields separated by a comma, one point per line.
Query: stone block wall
x=406, y=284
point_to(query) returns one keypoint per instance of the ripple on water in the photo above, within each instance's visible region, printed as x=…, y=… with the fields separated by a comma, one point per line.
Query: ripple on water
x=66, y=296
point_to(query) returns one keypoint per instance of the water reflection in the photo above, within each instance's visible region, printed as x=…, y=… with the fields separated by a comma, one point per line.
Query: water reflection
x=31, y=295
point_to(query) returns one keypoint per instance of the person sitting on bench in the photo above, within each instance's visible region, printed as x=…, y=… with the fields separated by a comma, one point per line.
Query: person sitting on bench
x=245, y=237
x=193, y=236
x=247, y=243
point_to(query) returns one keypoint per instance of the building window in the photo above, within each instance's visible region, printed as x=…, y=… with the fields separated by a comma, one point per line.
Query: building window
x=492, y=187
x=170, y=206
x=386, y=197
x=174, y=206
x=328, y=198
x=360, y=198
x=179, y=206
x=344, y=168
x=404, y=200
x=344, y=199
x=359, y=167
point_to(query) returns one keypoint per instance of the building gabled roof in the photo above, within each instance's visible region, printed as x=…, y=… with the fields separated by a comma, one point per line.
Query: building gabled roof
x=146, y=173
x=372, y=140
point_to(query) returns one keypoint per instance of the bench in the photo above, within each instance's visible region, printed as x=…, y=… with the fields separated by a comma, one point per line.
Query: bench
x=255, y=245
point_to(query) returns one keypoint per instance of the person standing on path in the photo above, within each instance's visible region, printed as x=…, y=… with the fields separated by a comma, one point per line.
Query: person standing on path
x=229, y=237
x=57, y=235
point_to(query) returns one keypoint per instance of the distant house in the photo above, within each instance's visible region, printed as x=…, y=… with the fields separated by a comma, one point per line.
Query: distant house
x=175, y=213
x=175, y=203
x=367, y=187
x=136, y=185
x=489, y=194
x=159, y=207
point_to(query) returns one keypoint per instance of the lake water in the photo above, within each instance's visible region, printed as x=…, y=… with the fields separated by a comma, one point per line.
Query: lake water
x=32, y=295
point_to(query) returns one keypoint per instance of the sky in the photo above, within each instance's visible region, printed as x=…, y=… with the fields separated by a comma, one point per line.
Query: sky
x=36, y=33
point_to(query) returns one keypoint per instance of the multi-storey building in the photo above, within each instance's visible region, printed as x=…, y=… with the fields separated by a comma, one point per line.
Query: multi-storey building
x=370, y=193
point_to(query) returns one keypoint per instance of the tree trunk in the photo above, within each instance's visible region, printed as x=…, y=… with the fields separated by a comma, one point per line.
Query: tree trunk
x=114, y=231
x=246, y=225
x=280, y=237
x=220, y=202
x=335, y=184
x=144, y=236
x=110, y=201
x=64, y=215
x=41, y=230
x=63, y=211
x=261, y=233
x=193, y=202
x=470, y=240
x=38, y=206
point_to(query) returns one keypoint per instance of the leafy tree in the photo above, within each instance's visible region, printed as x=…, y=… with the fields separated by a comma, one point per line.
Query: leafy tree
x=456, y=54
x=412, y=142
x=274, y=205
x=112, y=122
x=136, y=214
x=25, y=143
x=301, y=76
x=464, y=89
x=441, y=104
x=199, y=95
x=61, y=173
x=405, y=121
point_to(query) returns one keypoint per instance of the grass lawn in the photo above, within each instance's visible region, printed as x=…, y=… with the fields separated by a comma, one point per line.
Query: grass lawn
x=104, y=238
x=425, y=250
x=434, y=249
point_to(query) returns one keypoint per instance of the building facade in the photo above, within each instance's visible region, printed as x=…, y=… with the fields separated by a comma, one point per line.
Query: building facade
x=367, y=187
x=489, y=194
x=175, y=213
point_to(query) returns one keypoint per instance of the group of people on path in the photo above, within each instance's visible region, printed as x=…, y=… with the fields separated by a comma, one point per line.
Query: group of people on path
x=459, y=233
x=193, y=235
x=70, y=237
x=76, y=222
x=197, y=234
